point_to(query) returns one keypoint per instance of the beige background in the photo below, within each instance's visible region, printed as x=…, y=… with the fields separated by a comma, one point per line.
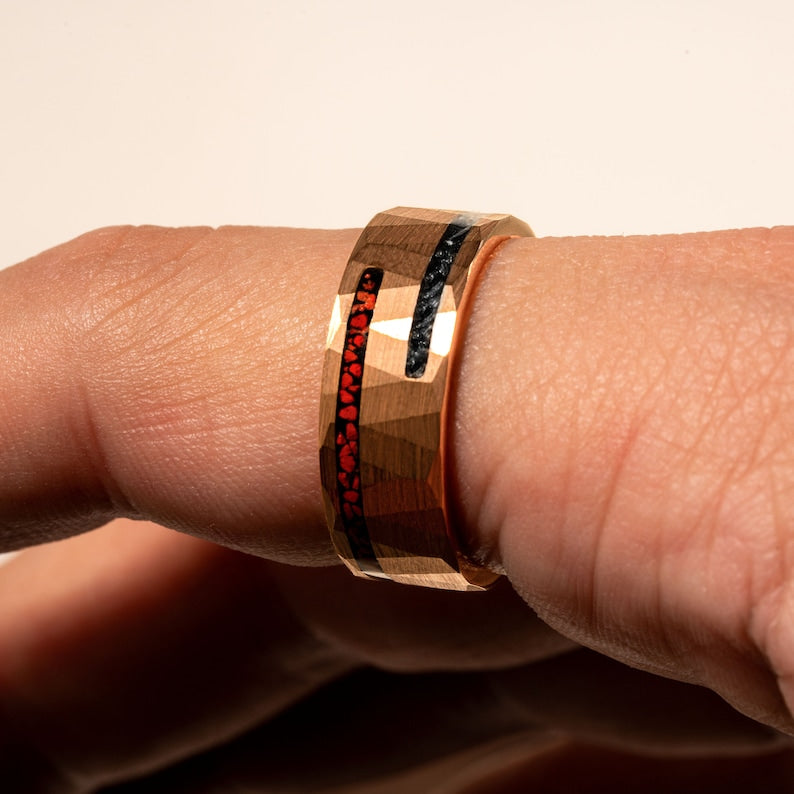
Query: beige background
x=609, y=117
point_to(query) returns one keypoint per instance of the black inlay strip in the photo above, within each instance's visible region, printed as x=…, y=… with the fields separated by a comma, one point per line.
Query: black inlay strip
x=429, y=299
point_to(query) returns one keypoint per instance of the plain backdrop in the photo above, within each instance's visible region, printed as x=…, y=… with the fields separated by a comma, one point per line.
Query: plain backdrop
x=609, y=117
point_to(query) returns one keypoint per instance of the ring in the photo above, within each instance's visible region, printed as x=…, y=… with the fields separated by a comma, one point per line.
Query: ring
x=396, y=329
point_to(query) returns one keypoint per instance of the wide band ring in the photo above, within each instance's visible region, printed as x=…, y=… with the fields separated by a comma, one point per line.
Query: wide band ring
x=396, y=328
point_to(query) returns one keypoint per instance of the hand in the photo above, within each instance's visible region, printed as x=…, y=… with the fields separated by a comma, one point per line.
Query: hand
x=169, y=375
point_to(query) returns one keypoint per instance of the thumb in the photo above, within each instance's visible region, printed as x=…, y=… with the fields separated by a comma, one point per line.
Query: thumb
x=632, y=465
x=169, y=374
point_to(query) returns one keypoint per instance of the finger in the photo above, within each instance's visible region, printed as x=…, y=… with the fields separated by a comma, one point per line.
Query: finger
x=381, y=732
x=133, y=646
x=168, y=374
x=635, y=474
x=612, y=422
x=263, y=762
x=130, y=647
x=571, y=766
x=415, y=629
x=599, y=701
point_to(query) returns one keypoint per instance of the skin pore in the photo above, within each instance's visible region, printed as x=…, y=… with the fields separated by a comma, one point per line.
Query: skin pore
x=623, y=452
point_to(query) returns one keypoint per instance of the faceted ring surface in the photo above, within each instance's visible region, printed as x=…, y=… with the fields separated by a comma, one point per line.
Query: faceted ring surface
x=396, y=327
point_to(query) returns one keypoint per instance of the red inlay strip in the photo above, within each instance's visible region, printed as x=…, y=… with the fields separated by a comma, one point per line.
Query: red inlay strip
x=346, y=426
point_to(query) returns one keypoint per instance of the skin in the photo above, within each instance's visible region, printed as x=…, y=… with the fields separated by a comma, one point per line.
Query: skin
x=623, y=452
